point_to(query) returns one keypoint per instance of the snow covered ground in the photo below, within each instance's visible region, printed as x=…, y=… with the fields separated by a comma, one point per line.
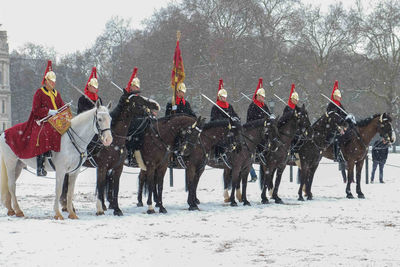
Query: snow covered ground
x=330, y=230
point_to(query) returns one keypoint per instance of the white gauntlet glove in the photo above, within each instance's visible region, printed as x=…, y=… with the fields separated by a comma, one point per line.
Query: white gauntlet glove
x=174, y=107
x=52, y=112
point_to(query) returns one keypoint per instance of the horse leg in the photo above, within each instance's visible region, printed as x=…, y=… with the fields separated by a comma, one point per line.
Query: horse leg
x=60, y=175
x=115, y=189
x=243, y=175
x=109, y=187
x=196, y=200
x=359, y=166
x=227, y=182
x=303, y=176
x=5, y=191
x=101, y=184
x=12, y=177
x=270, y=182
x=275, y=196
x=160, y=186
x=310, y=181
x=63, y=198
x=141, y=179
x=263, y=180
x=70, y=195
x=350, y=177
x=234, y=179
x=151, y=190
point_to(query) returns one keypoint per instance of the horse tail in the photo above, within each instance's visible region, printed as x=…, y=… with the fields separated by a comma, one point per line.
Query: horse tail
x=4, y=181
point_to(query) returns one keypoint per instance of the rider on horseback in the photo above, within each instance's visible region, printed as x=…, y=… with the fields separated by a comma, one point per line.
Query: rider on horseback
x=337, y=107
x=181, y=104
x=217, y=114
x=289, y=111
x=30, y=138
x=137, y=126
x=255, y=112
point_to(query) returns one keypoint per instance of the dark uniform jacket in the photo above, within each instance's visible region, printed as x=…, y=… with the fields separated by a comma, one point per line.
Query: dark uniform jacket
x=217, y=114
x=180, y=109
x=380, y=151
x=255, y=113
x=85, y=104
x=333, y=107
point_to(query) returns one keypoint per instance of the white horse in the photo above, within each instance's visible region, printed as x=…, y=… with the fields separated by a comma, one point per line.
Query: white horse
x=69, y=160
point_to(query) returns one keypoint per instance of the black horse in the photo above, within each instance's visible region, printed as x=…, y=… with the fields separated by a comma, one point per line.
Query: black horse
x=311, y=148
x=160, y=139
x=259, y=133
x=356, y=149
x=109, y=160
x=276, y=159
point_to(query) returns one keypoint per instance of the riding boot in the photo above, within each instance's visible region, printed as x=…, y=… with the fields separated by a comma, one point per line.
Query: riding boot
x=139, y=160
x=40, y=171
x=336, y=151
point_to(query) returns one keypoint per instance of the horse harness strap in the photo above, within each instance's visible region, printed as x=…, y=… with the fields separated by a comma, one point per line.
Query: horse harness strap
x=82, y=155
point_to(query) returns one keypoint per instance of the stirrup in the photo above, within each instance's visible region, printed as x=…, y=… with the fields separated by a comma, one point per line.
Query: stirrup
x=224, y=158
x=180, y=160
x=41, y=172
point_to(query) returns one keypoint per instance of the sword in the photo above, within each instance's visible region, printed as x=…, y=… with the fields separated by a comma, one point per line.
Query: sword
x=58, y=111
x=256, y=105
x=79, y=90
x=206, y=97
x=280, y=99
x=117, y=86
x=335, y=104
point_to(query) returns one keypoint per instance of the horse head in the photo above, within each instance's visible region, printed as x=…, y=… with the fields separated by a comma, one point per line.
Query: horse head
x=303, y=122
x=385, y=128
x=102, y=121
x=190, y=136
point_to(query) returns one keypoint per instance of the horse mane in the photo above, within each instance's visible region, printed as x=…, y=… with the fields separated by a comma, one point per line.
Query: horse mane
x=169, y=117
x=367, y=121
x=254, y=124
x=82, y=116
x=216, y=123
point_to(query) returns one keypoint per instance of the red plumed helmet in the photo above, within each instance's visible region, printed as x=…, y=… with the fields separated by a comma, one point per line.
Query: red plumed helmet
x=49, y=74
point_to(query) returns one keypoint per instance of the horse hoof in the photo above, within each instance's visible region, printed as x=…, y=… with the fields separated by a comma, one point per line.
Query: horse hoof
x=100, y=213
x=104, y=207
x=361, y=196
x=227, y=200
x=118, y=212
x=162, y=210
x=197, y=201
x=150, y=212
x=11, y=213
x=73, y=216
x=58, y=217
x=278, y=200
x=350, y=196
x=300, y=199
x=265, y=201
x=139, y=204
x=309, y=197
x=246, y=203
x=192, y=208
x=20, y=214
x=233, y=204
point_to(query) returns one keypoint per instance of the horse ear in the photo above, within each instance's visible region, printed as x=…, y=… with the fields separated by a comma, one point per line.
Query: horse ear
x=303, y=107
x=98, y=103
x=109, y=105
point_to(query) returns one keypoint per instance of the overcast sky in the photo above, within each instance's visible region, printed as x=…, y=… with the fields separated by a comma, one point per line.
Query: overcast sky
x=73, y=25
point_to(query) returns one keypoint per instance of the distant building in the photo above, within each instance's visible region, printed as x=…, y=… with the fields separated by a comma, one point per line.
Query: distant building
x=5, y=92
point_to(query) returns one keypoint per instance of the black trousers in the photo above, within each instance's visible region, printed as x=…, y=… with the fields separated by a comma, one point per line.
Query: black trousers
x=374, y=166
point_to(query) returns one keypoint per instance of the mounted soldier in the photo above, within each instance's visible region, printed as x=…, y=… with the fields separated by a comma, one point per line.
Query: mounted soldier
x=181, y=104
x=255, y=110
x=336, y=106
x=289, y=111
x=91, y=90
x=33, y=138
x=218, y=114
x=137, y=126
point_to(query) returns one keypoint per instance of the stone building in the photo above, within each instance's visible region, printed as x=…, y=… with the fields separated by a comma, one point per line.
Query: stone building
x=5, y=93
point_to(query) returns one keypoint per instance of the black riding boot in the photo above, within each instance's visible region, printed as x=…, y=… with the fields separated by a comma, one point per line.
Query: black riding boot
x=40, y=171
x=336, y=151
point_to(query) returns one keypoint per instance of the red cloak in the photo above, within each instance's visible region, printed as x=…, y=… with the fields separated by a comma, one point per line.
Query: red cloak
x=28, y=139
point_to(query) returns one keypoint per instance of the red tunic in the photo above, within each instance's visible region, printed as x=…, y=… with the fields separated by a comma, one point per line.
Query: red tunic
x=28, y=139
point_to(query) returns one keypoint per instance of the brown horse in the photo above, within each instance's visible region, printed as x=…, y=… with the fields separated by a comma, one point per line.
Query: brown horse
x=158, y=144
x=310, y=150
x=276, y=159
x=109, y=160
x=258, y=133
x=356, y=149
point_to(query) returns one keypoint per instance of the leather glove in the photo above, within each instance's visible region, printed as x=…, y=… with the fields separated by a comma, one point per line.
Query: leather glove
x=174, y=107
x=52, y=112
x=350, y=118
x=272, y=117
x=235, y=119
